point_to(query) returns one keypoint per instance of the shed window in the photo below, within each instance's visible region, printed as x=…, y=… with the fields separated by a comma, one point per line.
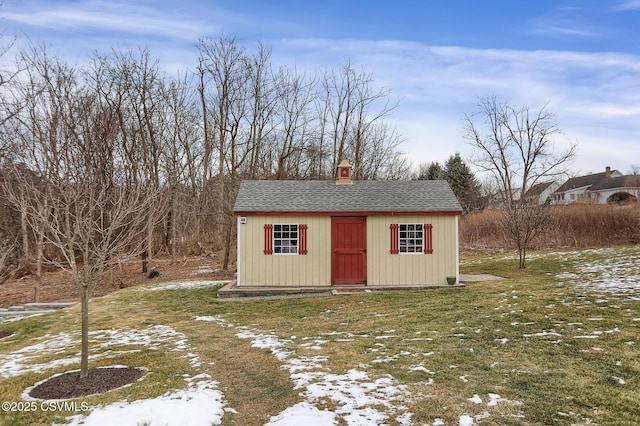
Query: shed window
x=411, y=238
x=285, y=238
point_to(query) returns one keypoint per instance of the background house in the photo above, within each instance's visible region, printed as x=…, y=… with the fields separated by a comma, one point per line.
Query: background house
x=322, y=234
x=541, y=193
x=602, y=191
x=579, y=188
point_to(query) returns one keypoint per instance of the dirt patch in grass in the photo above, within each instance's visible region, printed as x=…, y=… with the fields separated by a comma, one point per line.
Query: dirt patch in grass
x=58, y=286
x=70, y=385
x=5, y=333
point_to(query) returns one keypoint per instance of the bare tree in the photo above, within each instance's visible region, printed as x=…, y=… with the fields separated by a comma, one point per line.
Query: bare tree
x=6, y=249
x=37, y=132
x=9, y=229
x=355, y=126
x=380, y=156
x=294, y=114
x=515, y=145
x=224, y=63
x=131, y=83
x=180, y=159
x=92, y=227
x=71, y=184
x=8, y=72
x=261, y=111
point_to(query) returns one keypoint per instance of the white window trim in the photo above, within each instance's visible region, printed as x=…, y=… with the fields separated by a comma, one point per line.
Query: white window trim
x=297, y=240
x=420, y=227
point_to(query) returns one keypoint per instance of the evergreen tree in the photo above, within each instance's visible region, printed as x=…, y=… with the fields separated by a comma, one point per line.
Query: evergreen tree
x=463, y=183
x=461, y=179
x=431, y=171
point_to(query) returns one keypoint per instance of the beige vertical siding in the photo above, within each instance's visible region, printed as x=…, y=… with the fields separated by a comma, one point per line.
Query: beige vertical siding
x=385, y=269
x=314, y=268
x=259, y=269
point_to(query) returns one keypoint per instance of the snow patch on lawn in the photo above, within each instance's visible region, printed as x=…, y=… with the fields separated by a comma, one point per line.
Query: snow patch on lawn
x=617, y=272
x=360, y=399
x=200, y=404
x=310, y=413
x=204, y=270
x=183, y=285
x=108, y=343
x=21, y=361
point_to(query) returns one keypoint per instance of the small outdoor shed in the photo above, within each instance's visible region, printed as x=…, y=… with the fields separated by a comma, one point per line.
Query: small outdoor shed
x=320, y=234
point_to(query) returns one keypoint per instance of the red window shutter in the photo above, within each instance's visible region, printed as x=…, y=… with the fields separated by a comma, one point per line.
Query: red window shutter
x=268, y=238
x=428, y=238
x=393, y=228
x=302, y=239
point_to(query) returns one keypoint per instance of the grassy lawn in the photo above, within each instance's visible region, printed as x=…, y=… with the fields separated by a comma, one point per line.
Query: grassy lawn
x=553, y=344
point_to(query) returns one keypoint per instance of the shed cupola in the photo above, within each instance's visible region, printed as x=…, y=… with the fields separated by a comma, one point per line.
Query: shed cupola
x=344, y=173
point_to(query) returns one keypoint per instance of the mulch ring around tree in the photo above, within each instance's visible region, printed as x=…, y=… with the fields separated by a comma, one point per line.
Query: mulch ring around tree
x=70, y=385
x=5, y=333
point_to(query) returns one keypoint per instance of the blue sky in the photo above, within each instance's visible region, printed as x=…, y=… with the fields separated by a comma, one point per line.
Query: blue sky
x=580, y=57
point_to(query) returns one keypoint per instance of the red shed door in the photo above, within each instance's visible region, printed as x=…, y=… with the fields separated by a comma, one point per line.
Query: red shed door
x=348, y=250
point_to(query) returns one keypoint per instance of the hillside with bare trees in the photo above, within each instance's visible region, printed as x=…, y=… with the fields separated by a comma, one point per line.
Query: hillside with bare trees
x=118, y=148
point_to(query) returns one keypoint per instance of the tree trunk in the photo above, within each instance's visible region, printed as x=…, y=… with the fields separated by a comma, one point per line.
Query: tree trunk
x=523, y=254
x=39, y=255
x=36, y=289
x=148, y=253
x=25, y=237
x=173, y=232
x=227, y=242
x=85, y=293
x=145, y=262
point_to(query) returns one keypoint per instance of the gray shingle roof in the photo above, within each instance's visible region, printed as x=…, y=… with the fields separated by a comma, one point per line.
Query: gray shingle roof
x=583, y=181
x=538, y=189
x=622, y=182
x=363, y=196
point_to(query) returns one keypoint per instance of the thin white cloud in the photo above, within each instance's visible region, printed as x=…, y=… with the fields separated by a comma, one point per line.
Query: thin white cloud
x=628, y=5
x=561, y=22
x=131, y=18
x=595, y=96
x=548, y=29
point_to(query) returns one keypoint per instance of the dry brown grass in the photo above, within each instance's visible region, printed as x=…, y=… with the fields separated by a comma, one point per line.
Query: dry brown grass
x=253, y=382
x=573, y=226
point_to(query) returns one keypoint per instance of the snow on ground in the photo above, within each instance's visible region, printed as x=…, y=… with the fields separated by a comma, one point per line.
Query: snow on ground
x=305, y=414
x=200, y=403
x=494, y=399
x=204, y=270
x=360, y=399
x=617, y=272
x=182, y=285
x=23, y=360
x=37, y=357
